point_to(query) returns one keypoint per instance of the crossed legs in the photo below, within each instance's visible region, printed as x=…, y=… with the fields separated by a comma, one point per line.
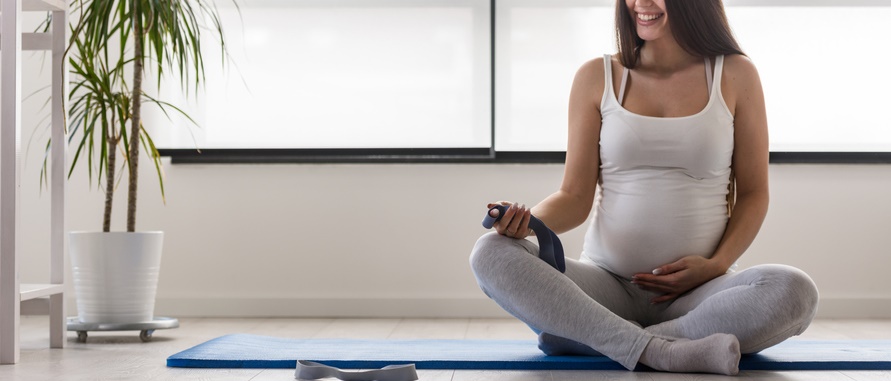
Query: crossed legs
x=589, y=306
x=761, y=306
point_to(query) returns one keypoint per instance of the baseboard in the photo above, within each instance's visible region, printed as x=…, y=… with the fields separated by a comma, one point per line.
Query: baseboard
x=854, y=308
x=829, y=308
x=330, y=307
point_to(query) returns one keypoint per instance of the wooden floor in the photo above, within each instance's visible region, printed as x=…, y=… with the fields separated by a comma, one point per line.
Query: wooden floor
x=121, y=356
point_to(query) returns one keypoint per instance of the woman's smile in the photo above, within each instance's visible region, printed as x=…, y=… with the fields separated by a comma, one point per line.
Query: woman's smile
x=648, y=19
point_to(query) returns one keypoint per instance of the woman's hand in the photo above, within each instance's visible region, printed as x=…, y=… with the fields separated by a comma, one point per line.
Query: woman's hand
x=515, y=222
x=676, y=278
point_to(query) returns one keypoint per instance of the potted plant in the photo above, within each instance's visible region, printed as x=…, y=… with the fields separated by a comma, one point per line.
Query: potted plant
x=116, y=273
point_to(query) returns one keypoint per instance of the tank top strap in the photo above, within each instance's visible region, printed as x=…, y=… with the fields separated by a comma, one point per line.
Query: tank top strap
x=608, y=66
x=713, y=77
x=708, y=74
x=719, y=69
x=623, y=84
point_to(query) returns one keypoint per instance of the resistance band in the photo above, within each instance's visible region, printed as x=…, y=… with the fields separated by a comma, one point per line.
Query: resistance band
x=308, y=370
x=550, y=249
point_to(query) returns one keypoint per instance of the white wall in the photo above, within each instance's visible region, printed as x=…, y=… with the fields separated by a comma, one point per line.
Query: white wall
x=375, y=240
x=299, y=240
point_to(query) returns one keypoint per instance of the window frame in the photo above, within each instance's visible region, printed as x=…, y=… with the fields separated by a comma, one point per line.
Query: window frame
x=490, y=155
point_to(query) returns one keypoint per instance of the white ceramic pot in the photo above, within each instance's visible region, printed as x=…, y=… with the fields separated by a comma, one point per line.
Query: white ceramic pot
x=115, y=275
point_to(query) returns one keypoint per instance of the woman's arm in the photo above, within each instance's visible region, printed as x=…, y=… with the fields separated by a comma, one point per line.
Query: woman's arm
x=745, y=98
x=750, y=162
x=568, y=207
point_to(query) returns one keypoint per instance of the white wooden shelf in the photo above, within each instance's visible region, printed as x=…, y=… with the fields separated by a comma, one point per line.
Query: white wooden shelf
x=30, y=291
x=44, y=5
x=12, y=294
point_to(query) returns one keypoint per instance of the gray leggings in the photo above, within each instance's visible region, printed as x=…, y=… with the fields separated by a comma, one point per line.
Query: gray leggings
x=761, y=306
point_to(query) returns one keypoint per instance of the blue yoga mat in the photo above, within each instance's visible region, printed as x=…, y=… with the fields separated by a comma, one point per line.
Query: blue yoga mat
x=251, y=351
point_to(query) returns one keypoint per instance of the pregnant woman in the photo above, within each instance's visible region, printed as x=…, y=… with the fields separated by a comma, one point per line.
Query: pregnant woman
x=668, y=142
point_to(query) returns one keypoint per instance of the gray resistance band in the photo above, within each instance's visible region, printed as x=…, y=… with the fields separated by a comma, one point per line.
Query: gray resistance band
x=550, y=249
x=308, y=370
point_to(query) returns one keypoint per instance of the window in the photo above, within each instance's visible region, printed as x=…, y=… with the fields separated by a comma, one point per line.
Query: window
x=540, y=45
x=418, y=74
x=344, y=74
x=823, y=74
x=820, y=66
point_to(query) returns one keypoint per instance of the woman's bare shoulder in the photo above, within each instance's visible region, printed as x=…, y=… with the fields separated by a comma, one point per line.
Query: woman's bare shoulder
x=738, y=67
x=589, y=79
x=592, y=70
x=741, y=83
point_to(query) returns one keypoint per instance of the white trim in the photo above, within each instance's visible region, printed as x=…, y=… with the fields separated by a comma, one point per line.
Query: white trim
x=12, y=293
x=43, y=5
x=58, y=182
x=34, y=291
x=329, y=307
x=10, y=128
x=829, y=308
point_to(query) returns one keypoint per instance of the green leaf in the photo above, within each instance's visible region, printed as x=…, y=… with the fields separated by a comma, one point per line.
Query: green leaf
x=101, y=57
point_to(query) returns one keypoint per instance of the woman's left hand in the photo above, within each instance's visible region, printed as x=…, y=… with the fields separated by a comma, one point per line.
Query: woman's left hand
x=676, y=278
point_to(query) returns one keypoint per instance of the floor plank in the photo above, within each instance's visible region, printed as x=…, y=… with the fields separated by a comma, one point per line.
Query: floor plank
x=454, y=329
x=358, y=329
x=795, y=376
x=290, y=328
x=501, y=375
x=822, y=330
x=499, y=329
x=122, y=356
x=880, y=375
x=860, y=329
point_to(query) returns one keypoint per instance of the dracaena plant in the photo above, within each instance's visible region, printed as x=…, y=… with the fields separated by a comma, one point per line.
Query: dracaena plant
x=116, y=40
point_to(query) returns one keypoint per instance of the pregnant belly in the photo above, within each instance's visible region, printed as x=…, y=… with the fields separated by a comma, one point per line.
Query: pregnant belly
x=648, y=234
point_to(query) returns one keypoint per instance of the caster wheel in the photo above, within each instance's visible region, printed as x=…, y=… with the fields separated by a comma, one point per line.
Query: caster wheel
x=81, y=336
x=146, y=335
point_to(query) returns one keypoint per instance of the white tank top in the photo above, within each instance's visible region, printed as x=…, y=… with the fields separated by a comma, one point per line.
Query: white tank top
x=663, y=182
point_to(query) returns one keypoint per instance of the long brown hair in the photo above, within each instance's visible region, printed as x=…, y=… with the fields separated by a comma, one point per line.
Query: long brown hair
x=699, y=26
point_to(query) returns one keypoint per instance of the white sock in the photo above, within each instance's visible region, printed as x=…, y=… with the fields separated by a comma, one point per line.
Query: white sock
x=718, y=353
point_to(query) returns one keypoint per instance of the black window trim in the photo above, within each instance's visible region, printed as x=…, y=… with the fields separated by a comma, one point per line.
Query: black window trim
x=458, y=155
x=453, y=155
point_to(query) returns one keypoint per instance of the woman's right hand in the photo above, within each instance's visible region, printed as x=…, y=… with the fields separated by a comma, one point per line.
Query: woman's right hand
x=515, y=223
